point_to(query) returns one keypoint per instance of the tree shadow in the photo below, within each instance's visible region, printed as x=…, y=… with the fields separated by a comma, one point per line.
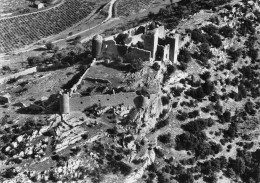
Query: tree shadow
x=40, y=49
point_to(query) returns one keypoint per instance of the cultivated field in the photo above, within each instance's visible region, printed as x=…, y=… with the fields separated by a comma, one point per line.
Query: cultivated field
x=16, y=32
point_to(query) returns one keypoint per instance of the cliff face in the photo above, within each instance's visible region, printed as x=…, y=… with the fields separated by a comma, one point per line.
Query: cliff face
x=145, y=120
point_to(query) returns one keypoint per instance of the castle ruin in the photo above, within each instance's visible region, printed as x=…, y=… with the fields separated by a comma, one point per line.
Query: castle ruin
x=157, y=45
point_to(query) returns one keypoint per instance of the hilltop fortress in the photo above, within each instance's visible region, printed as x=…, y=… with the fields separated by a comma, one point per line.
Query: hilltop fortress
x=149, y=42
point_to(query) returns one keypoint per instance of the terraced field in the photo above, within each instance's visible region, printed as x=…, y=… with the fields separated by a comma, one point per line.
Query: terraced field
x=127, y=7
x=16, y=32
x=10, y=5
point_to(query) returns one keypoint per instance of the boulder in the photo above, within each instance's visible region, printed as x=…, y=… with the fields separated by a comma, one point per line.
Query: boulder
x=20, y=104
x=6, y=98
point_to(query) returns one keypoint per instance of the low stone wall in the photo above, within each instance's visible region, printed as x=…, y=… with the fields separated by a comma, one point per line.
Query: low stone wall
x=16, y=75
x=75, y=86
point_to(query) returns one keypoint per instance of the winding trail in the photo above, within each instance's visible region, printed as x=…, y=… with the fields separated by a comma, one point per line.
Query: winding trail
x=110, y=14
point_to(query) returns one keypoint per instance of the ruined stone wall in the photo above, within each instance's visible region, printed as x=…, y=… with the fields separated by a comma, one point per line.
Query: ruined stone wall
x=139, y=53
x=16, y=75
x=109, y=49
x=161, y=32
x=171, y=42
x=166, y=52
x=81, y=103
x=174, y=46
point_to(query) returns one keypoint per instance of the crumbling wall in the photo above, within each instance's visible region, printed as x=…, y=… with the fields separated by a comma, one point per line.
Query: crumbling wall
x=139, y=53
x=110, y=49
x=171, y=42
x=81, y=103
x=166, y=52
x=174, y=46
x=16, y=75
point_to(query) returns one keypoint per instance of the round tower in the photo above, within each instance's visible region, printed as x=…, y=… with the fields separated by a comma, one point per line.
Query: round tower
x=65, y=104
x=96, y=46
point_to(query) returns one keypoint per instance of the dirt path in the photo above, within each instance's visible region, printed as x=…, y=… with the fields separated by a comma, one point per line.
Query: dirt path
x=110, y=13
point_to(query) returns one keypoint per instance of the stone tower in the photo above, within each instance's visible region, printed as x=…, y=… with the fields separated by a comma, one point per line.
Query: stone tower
x=151, y=41
x=173, y=41
x=64, y=103
x=97, y=42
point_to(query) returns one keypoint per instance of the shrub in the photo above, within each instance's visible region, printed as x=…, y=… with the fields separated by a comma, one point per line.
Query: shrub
x=196, y=93
x=231, y=131
x=215, y=40
x=249, y=108
x=210, y=29
x=188, y=141
x=234, y=54
x=253, y=54
x=162, y=123
x=171, y=69
x=184, y=56
x=205, y=50
x=208, y=87
x=164, y=138
x=32, y=61
x=198, y=125
x=9, y=173
x=182, y=116
x=205, y=75
x=226, y=31
x=121, y=38
x=137, y=64
x=165, y=100
x=156, y=66
x=49, y=45
x=6, y=68
x=198, y=36
x=193, y=114
x=183, y=66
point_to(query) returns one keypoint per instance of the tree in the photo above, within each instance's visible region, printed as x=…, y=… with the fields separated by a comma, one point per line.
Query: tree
x=49, y=45
x=198, y=36
x=215, y=40
x=226, y=31
x=156, y=66
x=137, y=64
x=253, y=54
x=171, y=69
x=121, y=38
x=257, y=173
x=56, y=49
x=186, y=178
x=231, y=173
x=164, y=138
x=210, y=29
x=34, y=60
x=151, y=15
x=184, y=56
x=239, y=166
